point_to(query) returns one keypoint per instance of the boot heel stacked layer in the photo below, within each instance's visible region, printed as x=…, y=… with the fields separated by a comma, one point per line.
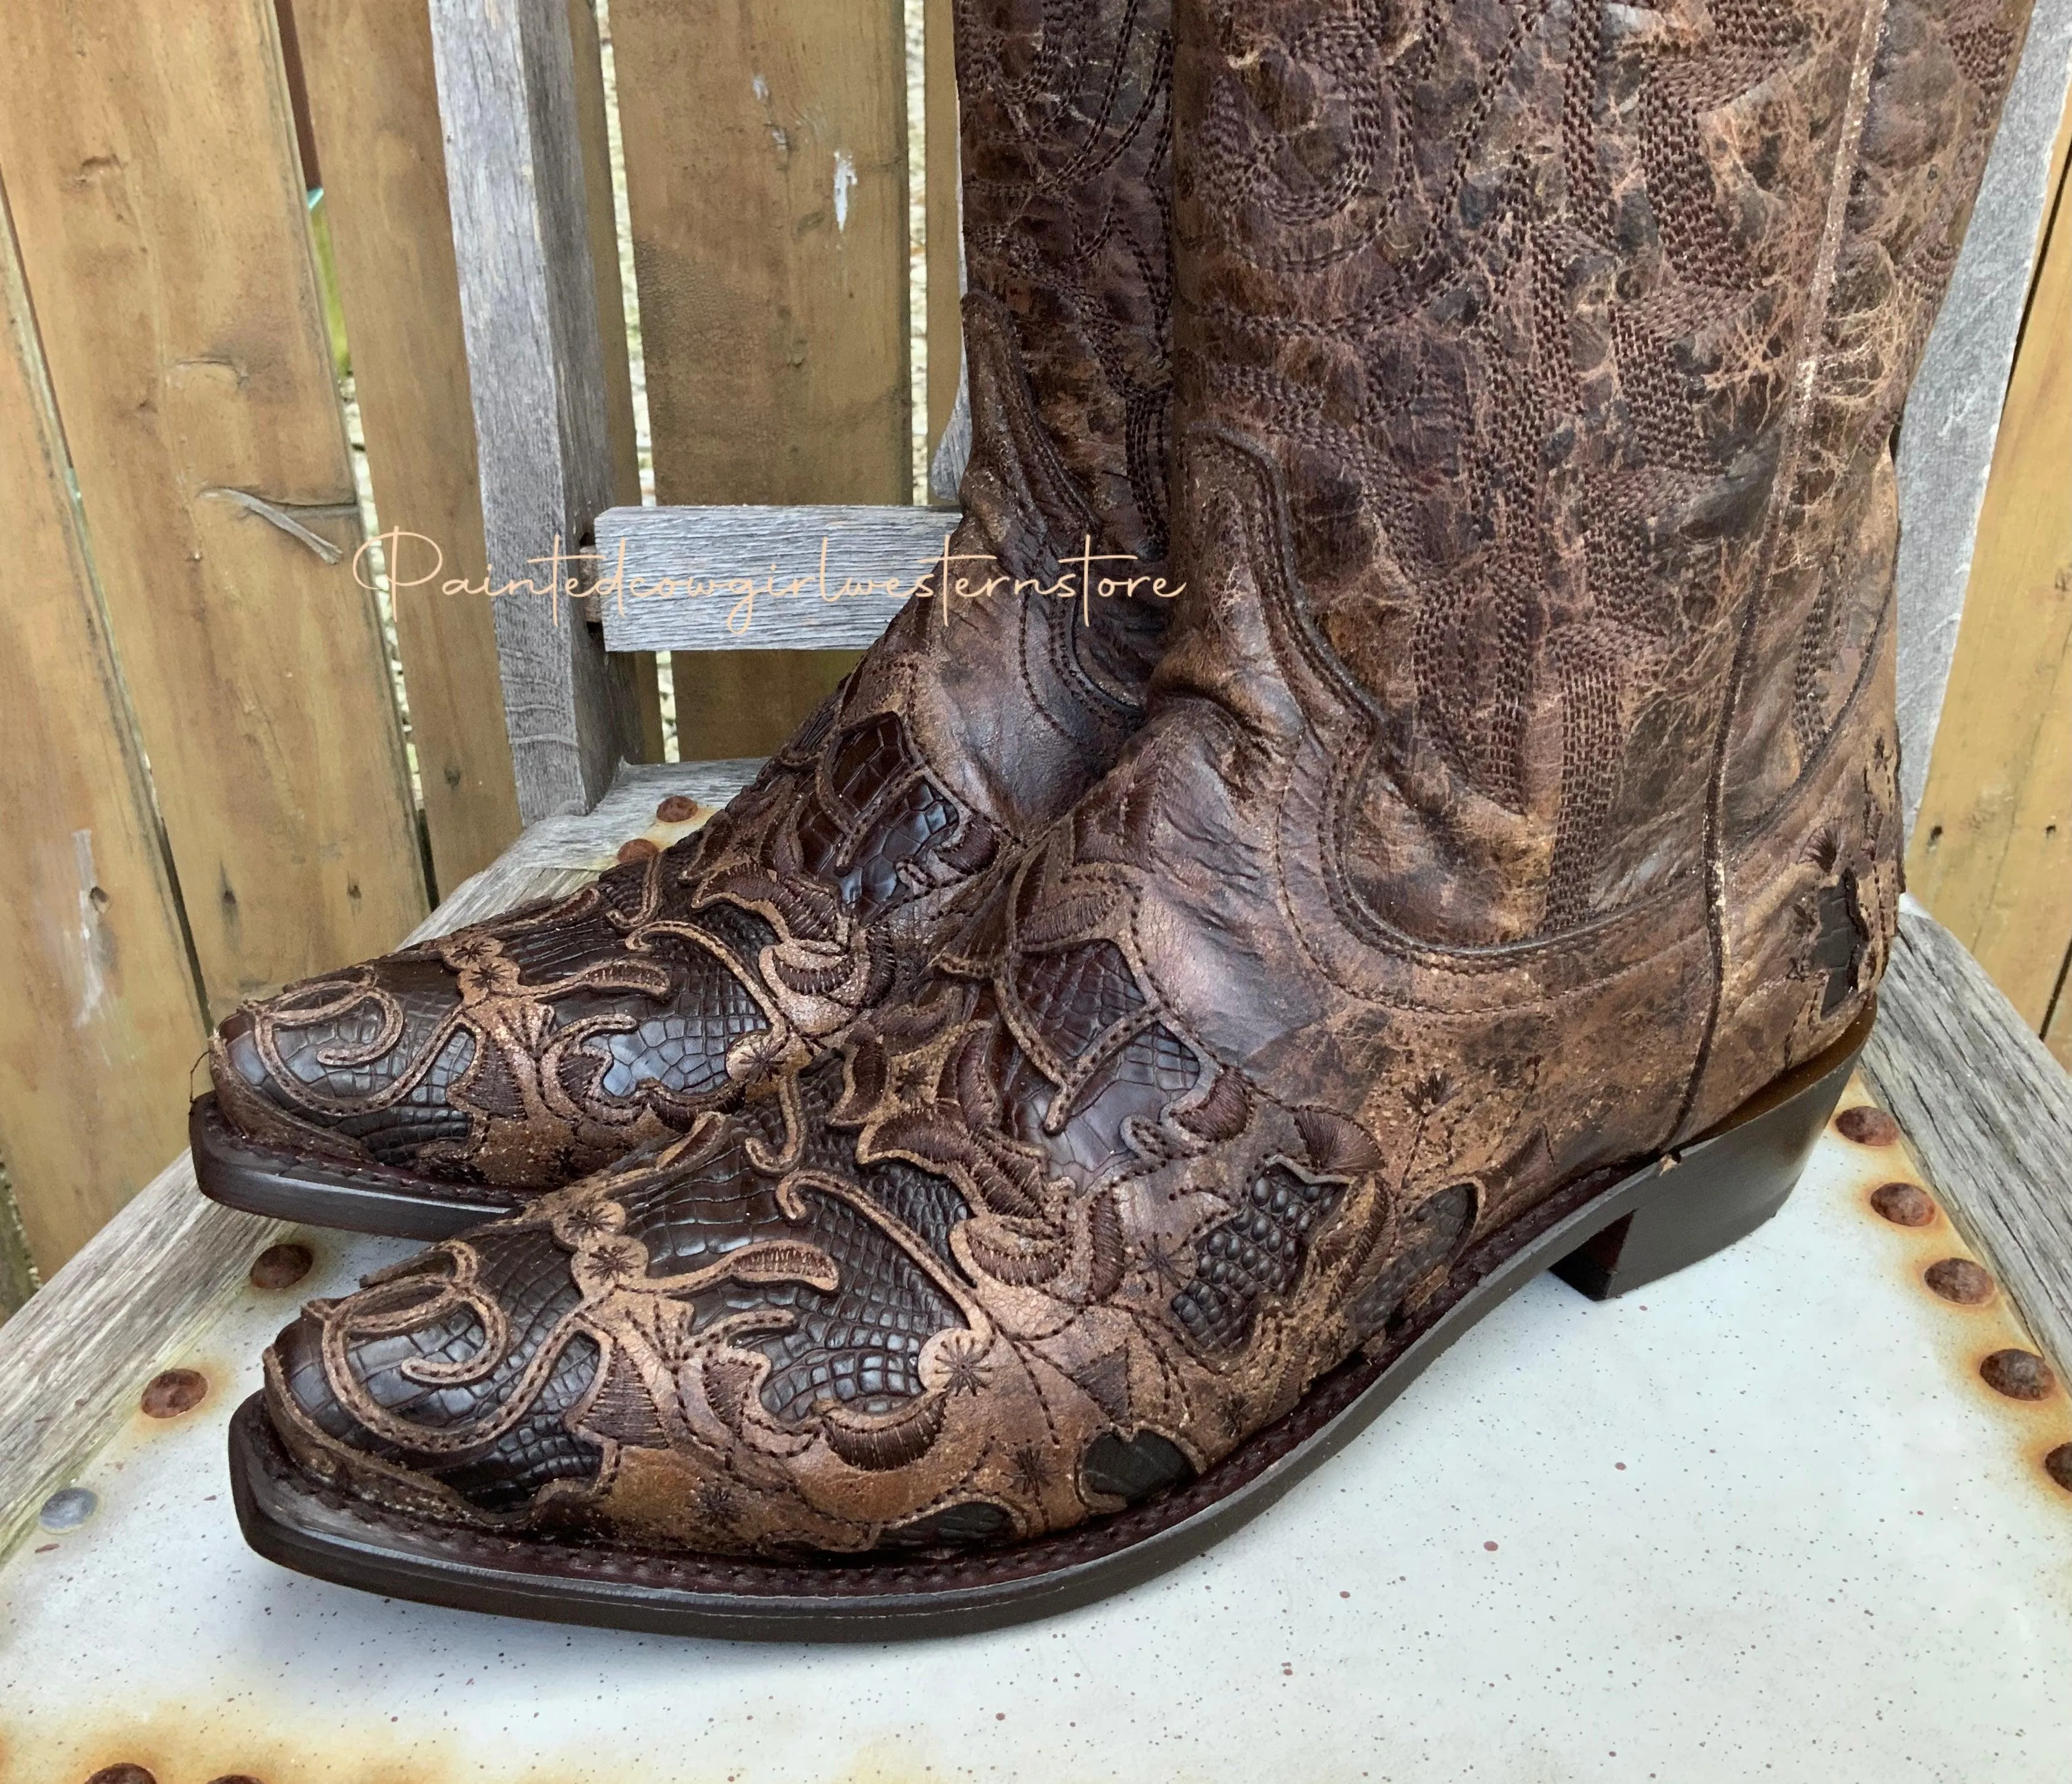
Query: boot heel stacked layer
x=1720, y=1187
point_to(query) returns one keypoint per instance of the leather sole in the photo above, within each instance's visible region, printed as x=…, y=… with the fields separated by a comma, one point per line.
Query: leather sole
x=285, y=1184
x=1606, y=1234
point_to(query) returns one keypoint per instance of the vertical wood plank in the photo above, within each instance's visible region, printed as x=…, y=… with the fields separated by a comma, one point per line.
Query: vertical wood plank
x=515, y=186
x=159, y=211
x=103, y=1017
x=765, y=174
x=368, y=67
x=1991, y=853
x=1945, y=441
x=638, y=671
x=620, y=434
x=945, y=317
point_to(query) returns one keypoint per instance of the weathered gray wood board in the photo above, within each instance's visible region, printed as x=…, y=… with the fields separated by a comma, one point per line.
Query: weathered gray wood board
x=1987, y=1111
x=586, y=843
x=528, y=309
x=73, y=1360
x=744, y=577
x=1953, y=414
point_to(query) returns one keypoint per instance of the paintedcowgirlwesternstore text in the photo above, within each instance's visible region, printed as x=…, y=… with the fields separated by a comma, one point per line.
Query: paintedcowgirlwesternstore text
x=944, y=578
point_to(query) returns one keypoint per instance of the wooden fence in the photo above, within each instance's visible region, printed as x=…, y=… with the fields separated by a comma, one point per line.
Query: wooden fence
x=1991, y=853
x=207, y=785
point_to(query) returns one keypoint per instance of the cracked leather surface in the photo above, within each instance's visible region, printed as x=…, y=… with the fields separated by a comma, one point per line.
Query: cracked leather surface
x=1516, y=797
x=525, y=1051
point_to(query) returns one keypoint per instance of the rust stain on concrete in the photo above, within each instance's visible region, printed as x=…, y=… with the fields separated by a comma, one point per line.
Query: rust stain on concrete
x=1967, y=1332
x=249, y=1743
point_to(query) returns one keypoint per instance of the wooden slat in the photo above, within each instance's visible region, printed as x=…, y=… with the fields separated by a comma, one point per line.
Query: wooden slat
x=664, y=563
x=587, y=53
x=637, y=674
x=103, y=1017
x=766, y=173
x=2058, y=1022
x=515, y=186
x=367, y=65
x=1946, y=438
x=131, y=1298
x=1991, y=853
x=590, y=841
x=751, y=700
x=151, y=167
x=1987, y=1111
x=944, y=319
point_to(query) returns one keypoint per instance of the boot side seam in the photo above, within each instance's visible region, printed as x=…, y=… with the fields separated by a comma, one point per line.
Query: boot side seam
x=1805, y=375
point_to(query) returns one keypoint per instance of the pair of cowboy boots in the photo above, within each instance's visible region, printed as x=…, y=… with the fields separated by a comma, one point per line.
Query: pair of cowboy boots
x=1053, y=1108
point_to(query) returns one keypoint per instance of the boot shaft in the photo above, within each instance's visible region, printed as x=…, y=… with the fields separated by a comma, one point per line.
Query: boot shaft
x=1013, y=702
x=1066, y=126
x=1574, y=337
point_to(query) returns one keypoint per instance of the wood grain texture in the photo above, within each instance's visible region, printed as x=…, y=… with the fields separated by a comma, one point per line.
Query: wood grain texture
x=104, y=1017
x=944, y=215
x=697, y=578
x=1988, y=1113
x=130, y=1299
x=180, y=321
x=1953, y=411
x=516, y=190
x=587, y=68
x=137, y=1293
x=367, y=67
x=765, y=176
x=590, y=842
x=1991, y=852
x=750, y=700
x=637, y=674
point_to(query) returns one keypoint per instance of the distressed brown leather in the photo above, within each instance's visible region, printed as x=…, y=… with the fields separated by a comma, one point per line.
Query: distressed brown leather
x=525, y=1051
x=1517, y=797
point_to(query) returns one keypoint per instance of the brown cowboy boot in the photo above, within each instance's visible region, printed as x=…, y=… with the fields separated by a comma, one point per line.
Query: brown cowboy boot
x=424, y=1091
x=1514, y=821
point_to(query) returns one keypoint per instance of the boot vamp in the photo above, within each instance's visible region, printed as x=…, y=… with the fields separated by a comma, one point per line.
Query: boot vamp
x=681, y=1306
x=513, y=1049
x=879, y=1307
x=1037, y=1246
x=544, y=1043
x=459, y=1369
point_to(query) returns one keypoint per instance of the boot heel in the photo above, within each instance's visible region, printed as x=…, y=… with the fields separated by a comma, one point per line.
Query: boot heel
x=1722, y=1186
